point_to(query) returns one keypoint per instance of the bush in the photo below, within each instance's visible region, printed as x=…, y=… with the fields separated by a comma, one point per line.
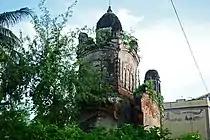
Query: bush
x=190, y=136
x=14, y=126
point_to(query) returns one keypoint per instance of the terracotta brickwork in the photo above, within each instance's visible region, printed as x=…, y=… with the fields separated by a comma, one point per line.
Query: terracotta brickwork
x=150, y=111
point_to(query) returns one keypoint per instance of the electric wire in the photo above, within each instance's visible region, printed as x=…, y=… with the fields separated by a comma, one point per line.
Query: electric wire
x=188, y=43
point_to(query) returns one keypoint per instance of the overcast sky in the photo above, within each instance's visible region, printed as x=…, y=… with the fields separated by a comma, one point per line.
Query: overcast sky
x=162, y=44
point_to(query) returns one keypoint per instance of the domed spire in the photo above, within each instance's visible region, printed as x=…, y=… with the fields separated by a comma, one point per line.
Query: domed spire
x=109, y=19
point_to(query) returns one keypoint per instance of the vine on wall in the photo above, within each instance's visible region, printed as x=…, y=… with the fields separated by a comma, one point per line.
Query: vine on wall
x=148, y=87
x=103, y=36
x=129, y=41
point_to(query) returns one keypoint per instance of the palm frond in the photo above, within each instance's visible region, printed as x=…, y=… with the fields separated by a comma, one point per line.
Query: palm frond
x=10, y=18
x=7, y=36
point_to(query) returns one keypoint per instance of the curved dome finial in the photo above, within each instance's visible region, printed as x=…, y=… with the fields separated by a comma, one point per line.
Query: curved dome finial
x=109, y=10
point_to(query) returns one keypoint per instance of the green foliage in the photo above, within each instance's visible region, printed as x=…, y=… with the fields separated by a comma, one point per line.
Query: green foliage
x=13, y=17
x=190, y=136
x=47, y=72
x=8, y=38
x=13, y=124
x=148, y=87
x=16, y=128
x=129, y=41
x=11, y=61
x=44, y=71
x=8, y=19
x=15, y=72
x=44, y=131
x=103, y=36
x=157, y=97
x=95, y=90
x=52, y=56
x=88, y=45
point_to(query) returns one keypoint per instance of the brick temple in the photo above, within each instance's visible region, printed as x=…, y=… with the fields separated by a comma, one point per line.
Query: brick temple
x=121, y=65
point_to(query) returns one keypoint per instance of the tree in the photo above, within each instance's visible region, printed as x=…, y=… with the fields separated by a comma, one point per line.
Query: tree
x=48, y=73
x=57, y=87
x=11, y=61
x=8, y=19
x=51, y=54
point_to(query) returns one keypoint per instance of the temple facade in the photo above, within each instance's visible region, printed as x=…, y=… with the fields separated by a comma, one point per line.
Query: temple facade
x=119, y=59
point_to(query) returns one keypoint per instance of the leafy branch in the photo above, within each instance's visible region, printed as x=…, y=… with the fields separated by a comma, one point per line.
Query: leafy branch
x=103, y=36
x=130, y=41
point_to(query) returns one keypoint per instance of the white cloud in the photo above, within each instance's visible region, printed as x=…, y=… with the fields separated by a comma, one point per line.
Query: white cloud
x=163, y=48
x=128, y=20
x=25, y=27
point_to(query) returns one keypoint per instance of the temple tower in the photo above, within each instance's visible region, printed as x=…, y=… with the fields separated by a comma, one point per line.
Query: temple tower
x=114, y=53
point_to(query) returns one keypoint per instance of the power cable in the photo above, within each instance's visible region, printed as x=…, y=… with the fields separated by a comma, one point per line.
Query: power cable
x=187, y=40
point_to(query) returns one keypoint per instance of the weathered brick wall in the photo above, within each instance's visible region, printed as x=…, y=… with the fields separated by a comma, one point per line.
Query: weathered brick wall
x=150, y=111
x=128, y=68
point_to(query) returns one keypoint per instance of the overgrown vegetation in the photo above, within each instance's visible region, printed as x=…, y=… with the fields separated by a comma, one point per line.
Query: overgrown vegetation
x=15, y=127
x=103, y=38
x=148, y=87
x=91, y=90
x=130, y=41
x=190, y=136
x=42, y=91
x=8, y=19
